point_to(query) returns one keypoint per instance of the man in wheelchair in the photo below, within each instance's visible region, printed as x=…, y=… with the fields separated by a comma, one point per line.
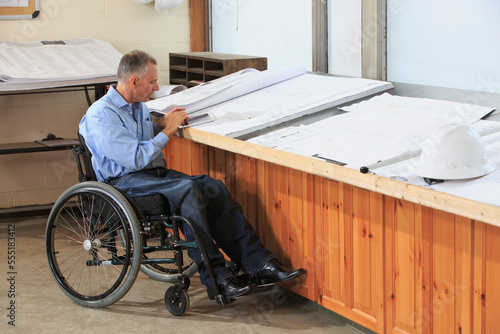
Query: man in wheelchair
x=126, y=149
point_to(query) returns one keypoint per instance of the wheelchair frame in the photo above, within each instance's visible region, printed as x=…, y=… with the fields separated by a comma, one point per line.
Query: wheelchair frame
x=97, y=241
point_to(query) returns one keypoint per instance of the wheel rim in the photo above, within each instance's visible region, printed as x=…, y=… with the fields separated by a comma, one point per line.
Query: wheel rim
x=86, y=256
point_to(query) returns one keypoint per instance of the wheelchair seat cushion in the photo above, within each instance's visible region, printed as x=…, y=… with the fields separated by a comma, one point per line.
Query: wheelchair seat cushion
x=153, y=205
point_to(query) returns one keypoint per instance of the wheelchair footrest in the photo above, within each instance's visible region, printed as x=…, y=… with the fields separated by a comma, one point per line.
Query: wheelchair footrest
x=221, y=300
x=214, y=293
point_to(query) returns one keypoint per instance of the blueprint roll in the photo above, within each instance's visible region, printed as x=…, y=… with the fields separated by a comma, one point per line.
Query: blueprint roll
x=165, y=90
x=226, y=88
x=257, y=81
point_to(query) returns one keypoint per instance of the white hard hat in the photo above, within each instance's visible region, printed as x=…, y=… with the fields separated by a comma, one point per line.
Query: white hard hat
x=456, y=152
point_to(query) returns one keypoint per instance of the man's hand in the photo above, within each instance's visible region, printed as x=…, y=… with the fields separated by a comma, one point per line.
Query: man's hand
x=169, y=124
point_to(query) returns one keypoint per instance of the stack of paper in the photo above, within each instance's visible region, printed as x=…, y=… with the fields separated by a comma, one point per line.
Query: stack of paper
x=45, y=64
x=251, y=100
x=288, y=100
x=379, y=129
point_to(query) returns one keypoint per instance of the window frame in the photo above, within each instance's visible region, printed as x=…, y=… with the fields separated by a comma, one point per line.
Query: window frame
x=373, y=41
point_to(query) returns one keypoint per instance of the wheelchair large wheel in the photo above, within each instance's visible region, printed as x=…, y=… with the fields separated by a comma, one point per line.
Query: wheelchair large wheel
x=93, y=244
x=162, y=271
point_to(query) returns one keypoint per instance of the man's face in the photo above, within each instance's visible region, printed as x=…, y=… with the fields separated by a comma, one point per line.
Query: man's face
x=147, y=85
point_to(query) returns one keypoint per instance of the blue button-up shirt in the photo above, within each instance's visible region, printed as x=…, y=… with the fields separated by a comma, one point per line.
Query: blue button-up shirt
x=120, y=136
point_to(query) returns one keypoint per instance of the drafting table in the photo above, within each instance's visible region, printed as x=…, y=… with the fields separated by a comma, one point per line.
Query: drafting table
x=388, y=255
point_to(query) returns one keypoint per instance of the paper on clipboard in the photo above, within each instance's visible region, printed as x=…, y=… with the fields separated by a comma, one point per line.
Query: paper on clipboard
x=198, y=120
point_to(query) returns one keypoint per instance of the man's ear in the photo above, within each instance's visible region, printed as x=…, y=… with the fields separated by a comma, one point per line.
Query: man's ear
x=132, y=81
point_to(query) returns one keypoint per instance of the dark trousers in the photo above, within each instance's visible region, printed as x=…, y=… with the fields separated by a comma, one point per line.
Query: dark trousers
x=207, y=203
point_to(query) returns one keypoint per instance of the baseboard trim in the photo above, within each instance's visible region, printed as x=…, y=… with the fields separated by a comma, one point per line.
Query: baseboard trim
x=25, y=211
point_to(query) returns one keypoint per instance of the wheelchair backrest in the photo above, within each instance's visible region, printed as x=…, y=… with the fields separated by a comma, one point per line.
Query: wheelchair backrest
x=82, y=154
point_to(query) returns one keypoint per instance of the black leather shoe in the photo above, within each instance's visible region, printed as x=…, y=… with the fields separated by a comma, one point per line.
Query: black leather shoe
x=232, y=288
x=273, y=272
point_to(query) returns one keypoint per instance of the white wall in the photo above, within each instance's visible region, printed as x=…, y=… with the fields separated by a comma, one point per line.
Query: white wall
x=344, y=37
x=39, y=178
x=445, y=43
x=280, y=30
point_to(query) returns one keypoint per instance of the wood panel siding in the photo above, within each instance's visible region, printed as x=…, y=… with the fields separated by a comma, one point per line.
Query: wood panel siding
x=391, y=265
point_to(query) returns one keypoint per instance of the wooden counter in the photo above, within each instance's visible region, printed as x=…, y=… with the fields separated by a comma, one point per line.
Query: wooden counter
x=391, y=256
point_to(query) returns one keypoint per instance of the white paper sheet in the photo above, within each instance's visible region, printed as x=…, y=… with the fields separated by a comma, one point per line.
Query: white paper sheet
x=287, y=100
x=14, y=3
x=51, y=61
x=485, y=189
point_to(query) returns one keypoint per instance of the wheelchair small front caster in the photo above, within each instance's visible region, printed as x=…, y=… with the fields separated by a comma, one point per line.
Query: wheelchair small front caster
x=176, y=300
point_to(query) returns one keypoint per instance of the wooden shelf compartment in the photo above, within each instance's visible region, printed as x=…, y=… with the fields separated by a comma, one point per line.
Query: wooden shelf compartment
x=206, y=66
x=193, y=64
x=179, y=76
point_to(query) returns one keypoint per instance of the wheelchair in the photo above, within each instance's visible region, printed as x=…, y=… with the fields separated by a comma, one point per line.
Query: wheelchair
x=98, y=238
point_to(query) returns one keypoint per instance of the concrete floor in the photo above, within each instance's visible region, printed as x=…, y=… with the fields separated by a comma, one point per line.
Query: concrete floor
x=40, y=306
